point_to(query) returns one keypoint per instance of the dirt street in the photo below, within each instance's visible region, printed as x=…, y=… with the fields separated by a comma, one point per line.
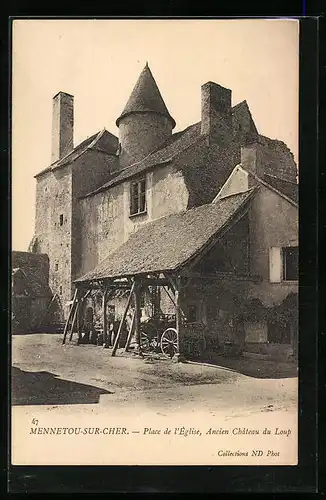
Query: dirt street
x=84, y=389
x=46, y=373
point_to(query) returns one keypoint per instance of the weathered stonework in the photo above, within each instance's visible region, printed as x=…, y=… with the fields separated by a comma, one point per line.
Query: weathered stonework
x=141, y=134
x=77, y=226
x=105, y=221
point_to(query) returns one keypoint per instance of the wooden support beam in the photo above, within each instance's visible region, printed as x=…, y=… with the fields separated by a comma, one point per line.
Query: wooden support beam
x=131, y=328
x=156, y=282
x=173, y=301
x=74, y=318
x=80, y=314
x=116, y=341
x=137, y=292
x=69, y=317
x=80, y=318
x=47, y=309
x=105, y=319
x=100, y=286
x=178, y=318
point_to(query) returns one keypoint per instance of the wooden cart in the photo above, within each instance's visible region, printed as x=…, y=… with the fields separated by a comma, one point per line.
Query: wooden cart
x=160, y=335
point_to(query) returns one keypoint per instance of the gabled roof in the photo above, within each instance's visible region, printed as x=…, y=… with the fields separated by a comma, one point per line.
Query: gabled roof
x=102, y=141
x=289, y=192
x=180, y=142
x=168, y=243
x=241, y=114
x=145, y=98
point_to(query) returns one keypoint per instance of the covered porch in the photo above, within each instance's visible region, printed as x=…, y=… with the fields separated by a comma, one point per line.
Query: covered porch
x=174, y=294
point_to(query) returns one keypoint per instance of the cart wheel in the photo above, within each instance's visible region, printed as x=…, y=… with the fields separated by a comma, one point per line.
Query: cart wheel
x=169, y=342
x=144, y=342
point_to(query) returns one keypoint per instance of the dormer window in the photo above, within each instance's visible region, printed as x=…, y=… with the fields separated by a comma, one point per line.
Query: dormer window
x=138, y=197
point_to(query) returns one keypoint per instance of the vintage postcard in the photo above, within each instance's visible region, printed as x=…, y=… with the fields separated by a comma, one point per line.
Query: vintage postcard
x=155, y=242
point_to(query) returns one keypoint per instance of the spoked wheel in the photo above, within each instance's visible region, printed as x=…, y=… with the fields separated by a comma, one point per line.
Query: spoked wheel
x=144, y=342
x=169, y=342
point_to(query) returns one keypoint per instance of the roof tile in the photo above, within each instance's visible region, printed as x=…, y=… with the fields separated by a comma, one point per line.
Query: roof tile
x=160, y=245
x=145, y=97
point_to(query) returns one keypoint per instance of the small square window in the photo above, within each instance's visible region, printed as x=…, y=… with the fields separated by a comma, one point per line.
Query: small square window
x=61, y=220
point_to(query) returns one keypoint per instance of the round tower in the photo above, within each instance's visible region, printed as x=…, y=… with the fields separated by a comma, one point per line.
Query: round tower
x=145, y=123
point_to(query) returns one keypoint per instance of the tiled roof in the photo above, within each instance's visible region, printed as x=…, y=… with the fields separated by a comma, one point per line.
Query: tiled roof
x=178, y=143
x=102, y=141
x=169, y=242
x=145, y=98
x=290, y=189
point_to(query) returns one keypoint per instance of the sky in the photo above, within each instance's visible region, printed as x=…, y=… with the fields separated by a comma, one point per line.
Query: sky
x=99, y=61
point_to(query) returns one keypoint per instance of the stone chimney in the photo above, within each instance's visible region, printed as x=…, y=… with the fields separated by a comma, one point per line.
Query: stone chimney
x=253, y=158
x=216, y=117
x=62, y=125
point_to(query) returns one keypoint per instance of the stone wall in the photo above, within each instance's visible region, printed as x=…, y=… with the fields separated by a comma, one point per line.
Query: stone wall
x=53, y=224
x=141, y=134
x=90, y=171
x=273, y=223
x=105, y=222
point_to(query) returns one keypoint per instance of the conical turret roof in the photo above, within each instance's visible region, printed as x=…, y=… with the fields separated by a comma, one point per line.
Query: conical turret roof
x=146, y=98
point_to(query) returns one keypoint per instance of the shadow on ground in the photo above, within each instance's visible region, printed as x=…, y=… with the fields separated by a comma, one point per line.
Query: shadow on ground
x=44, y=388
x=256, y=368
x=38, y=332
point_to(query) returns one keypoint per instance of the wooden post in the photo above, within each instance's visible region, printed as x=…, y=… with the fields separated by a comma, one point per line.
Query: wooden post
x=79, y=318
x=47, y=309
x=173, y=301
x=74, y=317
x=177, y=316
x=178, y=320
x=116, y=341
x=81, y=315
x=105, y=319
x=130, y=332
x=69, y=318
x=137, y=292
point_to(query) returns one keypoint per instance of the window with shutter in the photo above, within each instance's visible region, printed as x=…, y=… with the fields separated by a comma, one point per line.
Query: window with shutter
x=283, y=264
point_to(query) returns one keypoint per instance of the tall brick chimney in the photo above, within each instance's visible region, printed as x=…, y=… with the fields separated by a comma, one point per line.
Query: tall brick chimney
x=62, y=125
x=216, y=117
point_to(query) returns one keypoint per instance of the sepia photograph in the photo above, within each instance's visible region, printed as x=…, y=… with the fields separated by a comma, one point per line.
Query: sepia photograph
x=155, y=242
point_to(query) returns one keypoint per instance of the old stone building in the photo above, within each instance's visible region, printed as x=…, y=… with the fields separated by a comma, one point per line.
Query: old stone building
x=113, y=205
x=31, y=294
